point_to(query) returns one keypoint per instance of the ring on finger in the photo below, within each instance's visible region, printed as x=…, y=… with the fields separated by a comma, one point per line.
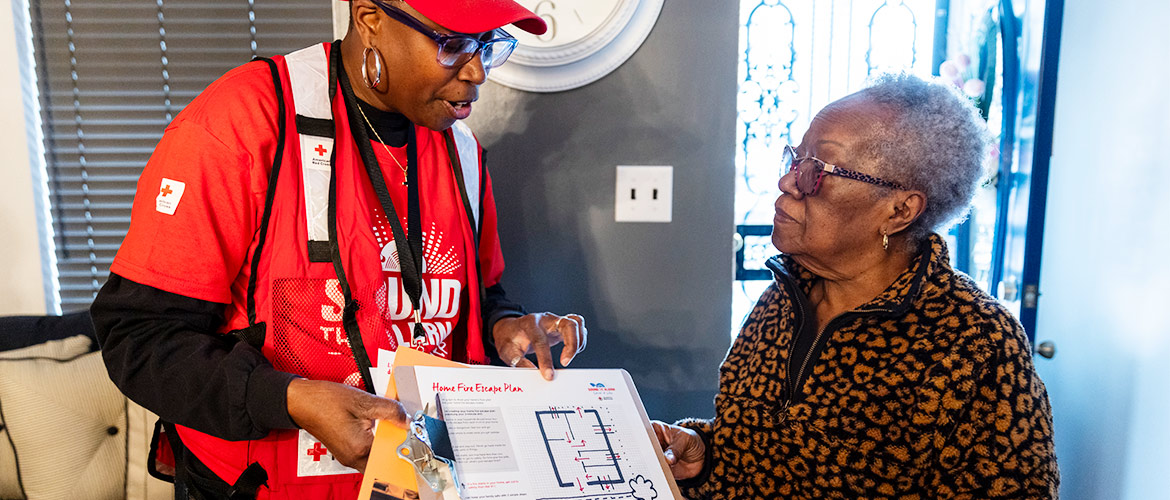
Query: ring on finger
x=516, y=360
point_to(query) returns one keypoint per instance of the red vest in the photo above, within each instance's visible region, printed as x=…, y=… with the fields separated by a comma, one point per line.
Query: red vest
x=296, y=293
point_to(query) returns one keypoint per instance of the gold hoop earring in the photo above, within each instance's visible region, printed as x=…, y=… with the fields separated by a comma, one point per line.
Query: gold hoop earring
x=885, y=241
x=377, y=67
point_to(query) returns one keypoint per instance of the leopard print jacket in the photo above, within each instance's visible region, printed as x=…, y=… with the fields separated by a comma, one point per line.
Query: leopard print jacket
x=927, y=391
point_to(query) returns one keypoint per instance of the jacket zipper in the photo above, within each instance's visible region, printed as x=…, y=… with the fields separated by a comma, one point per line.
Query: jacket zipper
x=807, y=358
x=800, y=303
x=783, y=413
x=799, y=380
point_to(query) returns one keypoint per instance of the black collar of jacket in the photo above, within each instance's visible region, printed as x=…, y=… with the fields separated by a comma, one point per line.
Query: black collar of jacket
x=932, y=258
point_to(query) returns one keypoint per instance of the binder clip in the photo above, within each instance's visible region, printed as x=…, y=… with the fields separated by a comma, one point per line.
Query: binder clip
x=428, y=449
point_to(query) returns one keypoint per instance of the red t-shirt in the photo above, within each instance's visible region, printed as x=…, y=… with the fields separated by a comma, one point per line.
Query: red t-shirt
x=200, y=201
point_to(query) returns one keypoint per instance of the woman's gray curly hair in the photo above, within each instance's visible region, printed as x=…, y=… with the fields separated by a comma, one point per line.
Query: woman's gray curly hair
x=936, y=143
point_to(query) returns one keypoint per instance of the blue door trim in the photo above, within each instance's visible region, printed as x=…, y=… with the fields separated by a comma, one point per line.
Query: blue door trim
x=1042, y=155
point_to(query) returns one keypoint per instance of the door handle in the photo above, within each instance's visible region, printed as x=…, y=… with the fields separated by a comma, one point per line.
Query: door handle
x=1046, y=349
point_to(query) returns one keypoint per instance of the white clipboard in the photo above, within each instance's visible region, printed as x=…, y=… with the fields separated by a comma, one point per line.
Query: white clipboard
x=583, y=436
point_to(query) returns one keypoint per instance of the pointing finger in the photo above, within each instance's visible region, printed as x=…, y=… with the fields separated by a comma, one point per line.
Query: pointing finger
x=543, y=352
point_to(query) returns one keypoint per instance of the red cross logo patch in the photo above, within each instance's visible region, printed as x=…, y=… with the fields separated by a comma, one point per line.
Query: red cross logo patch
x=313, y=459
x=169, y=194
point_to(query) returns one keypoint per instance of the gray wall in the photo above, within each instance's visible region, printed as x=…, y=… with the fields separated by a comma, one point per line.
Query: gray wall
x=656, y=297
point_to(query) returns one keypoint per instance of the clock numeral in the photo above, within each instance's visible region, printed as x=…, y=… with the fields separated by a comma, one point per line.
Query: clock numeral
x=549, y=19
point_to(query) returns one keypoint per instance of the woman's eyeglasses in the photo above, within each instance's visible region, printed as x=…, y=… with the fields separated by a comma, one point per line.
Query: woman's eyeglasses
x=810, y=171
x=458, y=49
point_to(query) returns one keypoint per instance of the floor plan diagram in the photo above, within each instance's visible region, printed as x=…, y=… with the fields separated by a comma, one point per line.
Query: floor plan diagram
x=580, y=449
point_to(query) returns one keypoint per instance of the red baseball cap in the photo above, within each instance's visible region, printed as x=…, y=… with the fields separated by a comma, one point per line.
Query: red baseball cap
x=478, y=16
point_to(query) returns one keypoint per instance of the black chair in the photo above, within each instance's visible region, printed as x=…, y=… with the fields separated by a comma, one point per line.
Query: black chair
x=22, y=331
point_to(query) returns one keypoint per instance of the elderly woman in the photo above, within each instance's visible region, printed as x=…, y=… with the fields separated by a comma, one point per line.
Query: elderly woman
x=870, y=368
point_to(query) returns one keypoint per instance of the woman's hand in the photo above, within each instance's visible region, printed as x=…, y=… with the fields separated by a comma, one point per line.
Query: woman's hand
x=537, y=333
x=684, y=449
x=342, y=417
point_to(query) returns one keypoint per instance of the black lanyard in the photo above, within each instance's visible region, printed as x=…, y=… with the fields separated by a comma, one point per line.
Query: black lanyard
x=409, y=250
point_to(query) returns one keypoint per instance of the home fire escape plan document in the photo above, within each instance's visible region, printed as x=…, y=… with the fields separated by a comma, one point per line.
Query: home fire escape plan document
x=514, y=435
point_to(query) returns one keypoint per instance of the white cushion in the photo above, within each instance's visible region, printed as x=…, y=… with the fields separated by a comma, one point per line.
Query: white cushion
x=69, y=427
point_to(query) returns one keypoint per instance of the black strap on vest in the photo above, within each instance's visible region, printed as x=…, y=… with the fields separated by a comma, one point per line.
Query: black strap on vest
x=349, y=322
x=194, y=480
x=254, y=333
x=319, y=127
x=409, y=248
x=188, y=485
x=249, y=482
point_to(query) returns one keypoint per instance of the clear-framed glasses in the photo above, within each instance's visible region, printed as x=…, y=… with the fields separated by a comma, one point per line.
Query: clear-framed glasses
x=810, y=171
x=458, y=49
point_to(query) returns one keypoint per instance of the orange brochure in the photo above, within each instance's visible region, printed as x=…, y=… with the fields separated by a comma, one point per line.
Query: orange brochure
x=387, y=476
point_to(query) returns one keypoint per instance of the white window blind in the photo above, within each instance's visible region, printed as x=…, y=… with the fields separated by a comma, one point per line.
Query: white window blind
x=111, y=75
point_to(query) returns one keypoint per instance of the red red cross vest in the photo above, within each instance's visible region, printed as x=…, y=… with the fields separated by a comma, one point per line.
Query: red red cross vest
x=321, y=217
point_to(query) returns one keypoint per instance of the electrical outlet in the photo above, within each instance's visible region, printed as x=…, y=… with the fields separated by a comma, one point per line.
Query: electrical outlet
x=643, y=194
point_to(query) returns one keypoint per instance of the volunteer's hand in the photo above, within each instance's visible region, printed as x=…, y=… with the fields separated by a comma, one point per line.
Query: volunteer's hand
x=537, y=333
x=684, y=449
x=342, y=417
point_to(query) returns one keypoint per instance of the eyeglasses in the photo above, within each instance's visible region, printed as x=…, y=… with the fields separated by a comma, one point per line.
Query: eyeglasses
x=458, y=49
x=810, y=171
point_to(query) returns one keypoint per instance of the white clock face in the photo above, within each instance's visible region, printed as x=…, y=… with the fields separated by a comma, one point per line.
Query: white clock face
x=586, y=40
x=568, y=20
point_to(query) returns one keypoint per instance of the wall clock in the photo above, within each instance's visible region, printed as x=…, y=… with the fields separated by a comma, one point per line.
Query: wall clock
x=586, y=40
